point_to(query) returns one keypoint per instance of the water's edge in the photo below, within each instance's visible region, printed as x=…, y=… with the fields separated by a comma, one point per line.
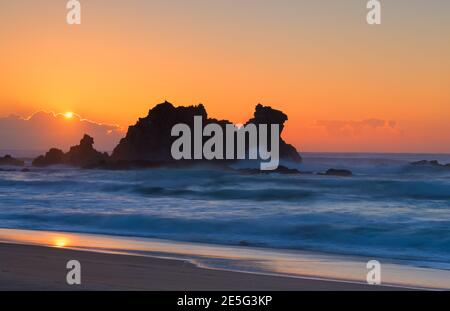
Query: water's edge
x=287, y=263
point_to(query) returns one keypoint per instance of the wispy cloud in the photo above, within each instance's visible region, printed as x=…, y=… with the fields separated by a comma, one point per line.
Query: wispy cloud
x=356, y=128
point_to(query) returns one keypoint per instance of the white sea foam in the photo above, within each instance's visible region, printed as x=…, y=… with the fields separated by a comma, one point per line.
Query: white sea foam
x=389, y=209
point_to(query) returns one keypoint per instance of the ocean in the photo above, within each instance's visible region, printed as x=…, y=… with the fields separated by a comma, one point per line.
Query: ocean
x=387, y=210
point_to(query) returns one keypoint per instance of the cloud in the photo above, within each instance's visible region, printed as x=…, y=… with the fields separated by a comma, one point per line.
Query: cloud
x=367, y=135
x=44, y=130
x=357, y=128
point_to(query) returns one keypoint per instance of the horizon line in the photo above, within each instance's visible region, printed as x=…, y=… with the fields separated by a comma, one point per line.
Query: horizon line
x=301, y=152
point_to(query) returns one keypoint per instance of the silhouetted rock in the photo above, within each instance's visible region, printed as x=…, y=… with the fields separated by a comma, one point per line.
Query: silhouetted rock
x=123, y=165
x=280, y=170
x=429, y=163
x=150, y=138
x=84, y=154
x=337, y=172
x=81, y=155
x=148, y=143
x=52, y=157
x=9, y=160
x=268, y=115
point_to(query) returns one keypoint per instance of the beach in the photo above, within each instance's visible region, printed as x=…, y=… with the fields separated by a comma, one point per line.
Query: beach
x=240, y=146
x=388, y=209
x=29, y=267
x=310, y=229
x=37, y=260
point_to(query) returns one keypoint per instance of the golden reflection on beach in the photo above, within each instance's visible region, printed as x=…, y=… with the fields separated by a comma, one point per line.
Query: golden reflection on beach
x=61, y=242
x=284, y=262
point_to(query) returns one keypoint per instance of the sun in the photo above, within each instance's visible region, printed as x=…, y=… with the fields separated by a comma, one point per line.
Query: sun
x=68, y=115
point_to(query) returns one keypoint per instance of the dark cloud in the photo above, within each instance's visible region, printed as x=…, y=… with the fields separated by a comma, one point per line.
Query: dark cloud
x=44, y=130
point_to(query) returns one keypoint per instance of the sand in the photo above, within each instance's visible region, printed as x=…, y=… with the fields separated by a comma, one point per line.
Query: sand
x=27, y=267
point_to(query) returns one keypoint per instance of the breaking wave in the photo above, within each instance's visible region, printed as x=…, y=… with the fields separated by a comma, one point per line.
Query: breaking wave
x=388, y=208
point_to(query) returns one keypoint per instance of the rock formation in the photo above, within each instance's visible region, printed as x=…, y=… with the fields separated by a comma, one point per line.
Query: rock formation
x=267, y=115
x=81, y=155
x=148, y=143
x=9, y=160
x=433, y=165
x=338, y=172
x=52, y=157
x=84, y=154
x=283, y=170
x=150, y=138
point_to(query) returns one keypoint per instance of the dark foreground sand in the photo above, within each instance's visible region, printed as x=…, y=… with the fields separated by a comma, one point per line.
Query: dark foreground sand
x=24, y=267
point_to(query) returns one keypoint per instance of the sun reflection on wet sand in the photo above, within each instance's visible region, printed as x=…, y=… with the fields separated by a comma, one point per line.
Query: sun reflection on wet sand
x=61, y=242
x=259, y=260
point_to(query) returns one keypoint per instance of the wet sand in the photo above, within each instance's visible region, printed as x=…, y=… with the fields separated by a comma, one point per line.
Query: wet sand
x=27, y=267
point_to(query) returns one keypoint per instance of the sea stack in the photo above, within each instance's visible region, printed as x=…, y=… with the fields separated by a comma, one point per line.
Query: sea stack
x=150, y=138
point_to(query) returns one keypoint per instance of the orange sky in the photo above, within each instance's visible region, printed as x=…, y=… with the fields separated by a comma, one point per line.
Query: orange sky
x=345, y=85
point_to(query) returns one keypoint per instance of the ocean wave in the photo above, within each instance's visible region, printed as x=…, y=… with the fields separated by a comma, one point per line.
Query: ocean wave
x=229, y=194
x=234, y=186
x=349, y=235
x=383, y=210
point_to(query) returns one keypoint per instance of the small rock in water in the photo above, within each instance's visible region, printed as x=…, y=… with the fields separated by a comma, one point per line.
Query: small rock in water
x=280, y=170
x=336, y=172
x=426, y=162
x=433, y=163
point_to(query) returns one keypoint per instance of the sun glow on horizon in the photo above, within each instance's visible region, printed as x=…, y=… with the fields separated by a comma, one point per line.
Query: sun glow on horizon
x=114, y=71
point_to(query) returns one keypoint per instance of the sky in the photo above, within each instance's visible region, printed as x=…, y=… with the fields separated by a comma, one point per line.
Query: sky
x=345, y=85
